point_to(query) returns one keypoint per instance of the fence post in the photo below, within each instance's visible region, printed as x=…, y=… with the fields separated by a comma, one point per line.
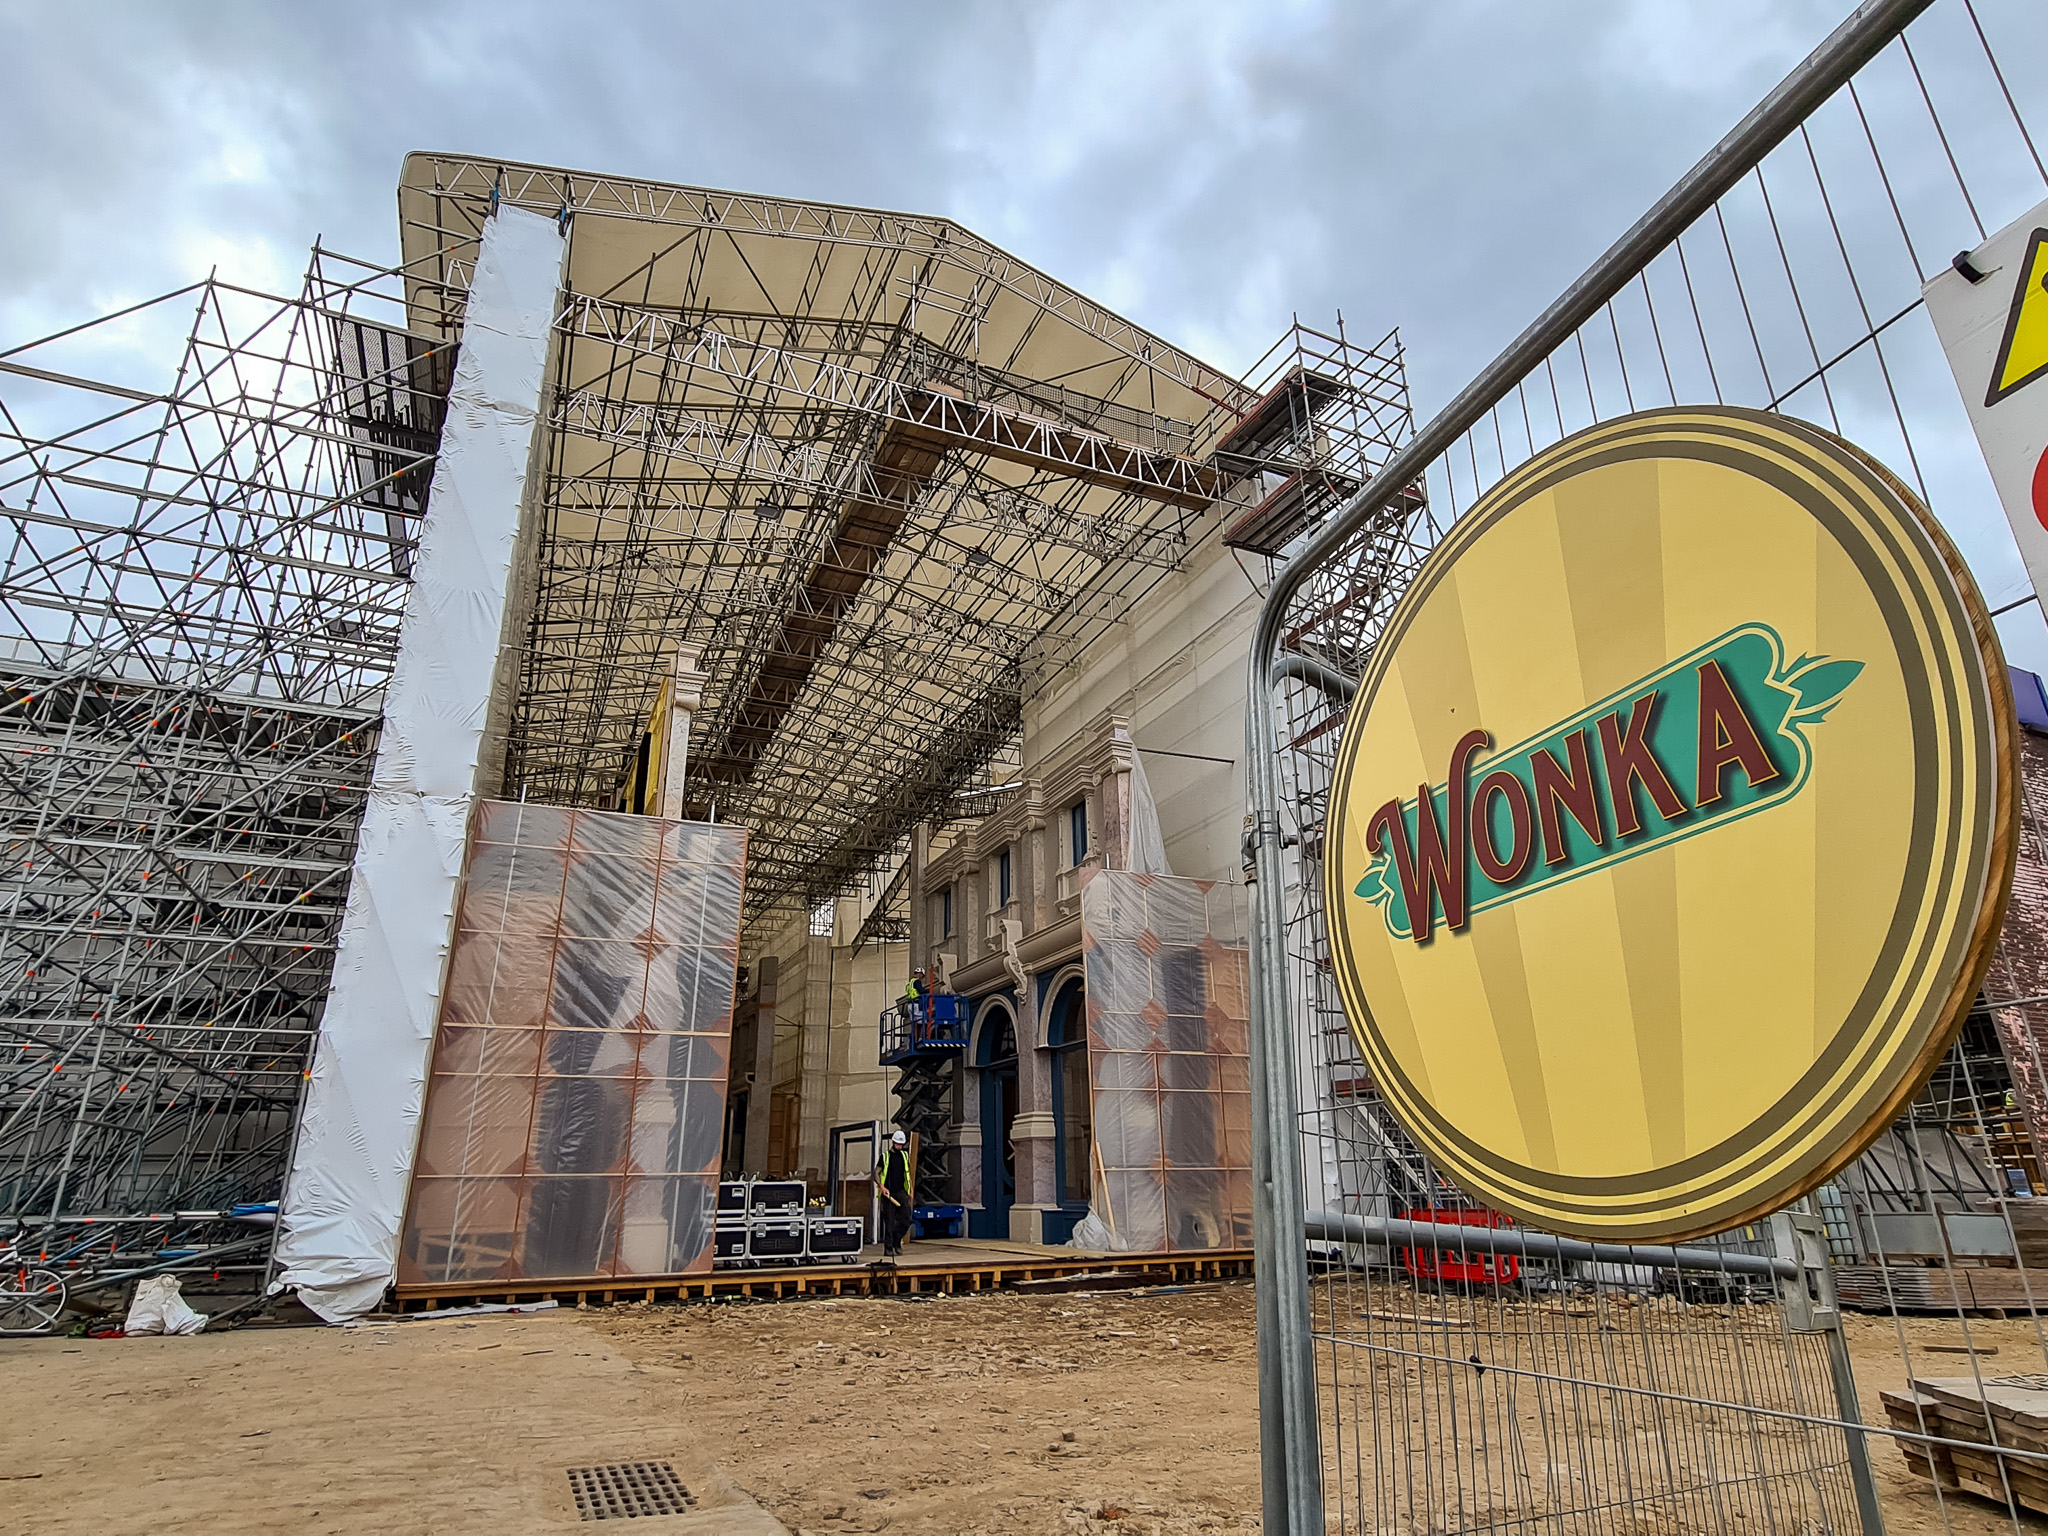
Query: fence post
x=1811, y=1307
x=1290, y=1454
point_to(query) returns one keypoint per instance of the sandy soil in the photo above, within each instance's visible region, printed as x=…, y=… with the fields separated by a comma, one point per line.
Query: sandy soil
x=991, y=1415
x=946, y=1416
x=1910, y=1503
x=951, y=1415
x=427, y=1428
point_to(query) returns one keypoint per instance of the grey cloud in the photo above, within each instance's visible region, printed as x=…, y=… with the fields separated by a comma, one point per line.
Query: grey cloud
x=1209, y=168
x=1392, y=148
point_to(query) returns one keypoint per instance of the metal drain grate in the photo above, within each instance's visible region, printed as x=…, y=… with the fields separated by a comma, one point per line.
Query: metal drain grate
x=627, y=1490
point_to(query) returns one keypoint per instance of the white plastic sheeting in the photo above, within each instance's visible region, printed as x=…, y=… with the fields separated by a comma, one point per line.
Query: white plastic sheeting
x=1169, y=1009
x=575, y=1115
x=1148, y=843
x=346, y=1195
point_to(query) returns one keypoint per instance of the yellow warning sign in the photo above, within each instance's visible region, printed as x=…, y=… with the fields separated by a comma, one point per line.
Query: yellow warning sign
x=2023, y=354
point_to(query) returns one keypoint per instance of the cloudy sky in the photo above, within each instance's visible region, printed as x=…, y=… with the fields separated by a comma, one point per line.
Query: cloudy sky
x=1208, y=168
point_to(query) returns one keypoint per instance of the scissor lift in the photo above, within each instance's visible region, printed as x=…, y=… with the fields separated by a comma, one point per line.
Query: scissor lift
x=922, y=1037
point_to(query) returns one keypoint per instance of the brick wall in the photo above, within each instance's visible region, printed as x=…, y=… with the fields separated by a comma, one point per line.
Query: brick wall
x=2019, y=969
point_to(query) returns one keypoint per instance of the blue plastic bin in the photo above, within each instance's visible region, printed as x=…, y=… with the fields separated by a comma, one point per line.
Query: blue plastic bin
x=938, y=1221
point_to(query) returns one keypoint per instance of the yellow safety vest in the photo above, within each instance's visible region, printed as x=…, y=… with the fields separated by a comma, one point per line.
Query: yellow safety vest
x=882, y=1173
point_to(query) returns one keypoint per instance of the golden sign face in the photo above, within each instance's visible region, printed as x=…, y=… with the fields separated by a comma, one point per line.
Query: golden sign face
x=1672, y=825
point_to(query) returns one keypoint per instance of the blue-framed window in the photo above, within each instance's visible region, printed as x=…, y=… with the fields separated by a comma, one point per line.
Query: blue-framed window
x=1003, y=878
x=1073, y=1099
x=1077, y=830
x=946, y=912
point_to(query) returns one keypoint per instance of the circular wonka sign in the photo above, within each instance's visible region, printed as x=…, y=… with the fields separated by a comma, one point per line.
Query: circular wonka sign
x=1672, y=825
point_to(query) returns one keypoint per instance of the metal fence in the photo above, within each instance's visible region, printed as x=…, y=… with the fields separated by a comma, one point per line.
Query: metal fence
x=1709, y=1389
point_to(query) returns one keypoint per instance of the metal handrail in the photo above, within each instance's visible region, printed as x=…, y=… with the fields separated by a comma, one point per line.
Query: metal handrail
x=1335, y=1227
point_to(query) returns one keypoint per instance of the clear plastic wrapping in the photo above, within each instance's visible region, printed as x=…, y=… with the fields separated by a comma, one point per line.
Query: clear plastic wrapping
x=1168, y=975
x=575, y=1111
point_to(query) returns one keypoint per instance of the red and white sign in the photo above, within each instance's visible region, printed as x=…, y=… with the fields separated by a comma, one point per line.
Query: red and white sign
x=1995, y=331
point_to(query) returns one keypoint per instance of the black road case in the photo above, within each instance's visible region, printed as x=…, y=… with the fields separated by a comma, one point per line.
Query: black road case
x=776, y=1197
x=781, y=1239
x=832, y=1236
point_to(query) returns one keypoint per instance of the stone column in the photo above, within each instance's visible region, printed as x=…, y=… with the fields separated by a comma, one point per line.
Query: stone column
x=685, y=698
x=451, y=688
x=1037, y=861
x=973, y=902
x=1113, y=798
x=968, y=1138
x=754, y=1157
x=816, y=1054
x=1035, y=1129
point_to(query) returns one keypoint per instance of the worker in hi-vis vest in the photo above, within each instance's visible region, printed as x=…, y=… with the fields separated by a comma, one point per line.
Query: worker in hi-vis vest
x=892, y=1181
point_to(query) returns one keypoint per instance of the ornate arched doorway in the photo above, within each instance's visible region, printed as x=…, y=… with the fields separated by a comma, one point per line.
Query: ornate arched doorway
x=995, y=1058
x=1073, y=1098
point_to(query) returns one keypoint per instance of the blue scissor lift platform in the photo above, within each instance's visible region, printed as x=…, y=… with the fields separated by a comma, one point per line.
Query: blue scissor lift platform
x=922, y=1037
x=932, y=1025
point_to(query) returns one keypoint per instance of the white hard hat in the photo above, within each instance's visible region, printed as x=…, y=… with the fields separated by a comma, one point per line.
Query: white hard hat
x=899, y=1138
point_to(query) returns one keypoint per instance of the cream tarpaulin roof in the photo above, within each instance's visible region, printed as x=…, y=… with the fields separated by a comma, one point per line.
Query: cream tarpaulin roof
x=882, y=474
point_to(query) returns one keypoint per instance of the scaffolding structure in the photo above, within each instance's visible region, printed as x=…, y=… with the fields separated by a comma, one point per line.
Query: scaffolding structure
x=881, y=477
x=199, y=607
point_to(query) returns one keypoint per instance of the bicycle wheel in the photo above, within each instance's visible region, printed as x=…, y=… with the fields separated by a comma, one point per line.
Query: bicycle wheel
x=31, y=1300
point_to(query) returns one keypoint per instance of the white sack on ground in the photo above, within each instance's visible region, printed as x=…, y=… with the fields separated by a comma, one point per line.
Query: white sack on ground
x=352, y=1166
x=159, y=1308
x=1092, y=1235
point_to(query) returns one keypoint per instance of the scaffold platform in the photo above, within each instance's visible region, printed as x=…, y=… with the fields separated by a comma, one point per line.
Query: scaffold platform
x=940, y=1267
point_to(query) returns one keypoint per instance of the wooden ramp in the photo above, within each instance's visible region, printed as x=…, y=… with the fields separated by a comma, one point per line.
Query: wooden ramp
x=940, y=1266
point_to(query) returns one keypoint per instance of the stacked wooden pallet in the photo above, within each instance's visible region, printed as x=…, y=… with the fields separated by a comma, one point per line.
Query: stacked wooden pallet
x=1995, y=1418
x=1924, y=1288
x=2029, y=1220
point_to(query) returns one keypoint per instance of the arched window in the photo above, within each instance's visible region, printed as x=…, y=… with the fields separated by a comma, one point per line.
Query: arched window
x=1073, y=1099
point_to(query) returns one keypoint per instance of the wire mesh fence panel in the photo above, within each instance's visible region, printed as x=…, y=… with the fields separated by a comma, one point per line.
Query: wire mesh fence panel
x=1471, y=1377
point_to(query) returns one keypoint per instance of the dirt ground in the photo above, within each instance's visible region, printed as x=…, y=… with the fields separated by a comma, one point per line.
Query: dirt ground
x=989, y=1415
x=830, y=1417
x=420, y=1429
x=2010, y=1347
x=951, y=1416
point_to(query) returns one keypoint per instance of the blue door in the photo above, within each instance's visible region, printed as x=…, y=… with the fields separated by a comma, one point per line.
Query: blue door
x=996, y=1056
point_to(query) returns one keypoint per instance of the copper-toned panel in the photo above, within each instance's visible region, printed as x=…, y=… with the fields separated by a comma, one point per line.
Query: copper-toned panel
x=588, y=1147
x=475, y=1124
x=569, y=1227
x=1167, y=971
x=486, y=1048
x=608, y=898
x=598, y=984
x=459, y=1230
